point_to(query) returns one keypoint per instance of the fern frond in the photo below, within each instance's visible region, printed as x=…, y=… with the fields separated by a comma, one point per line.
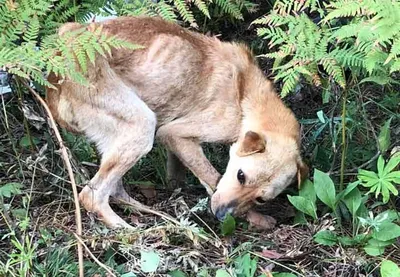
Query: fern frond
x=334, y=70
x=202, y=7
x=230, y=8
x=184, y=11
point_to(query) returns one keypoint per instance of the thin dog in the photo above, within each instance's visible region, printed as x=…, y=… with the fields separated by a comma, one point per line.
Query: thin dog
x=183, y=89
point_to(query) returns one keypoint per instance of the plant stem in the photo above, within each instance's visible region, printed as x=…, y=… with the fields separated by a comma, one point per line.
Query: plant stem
x=65, y=157
x=344, y=145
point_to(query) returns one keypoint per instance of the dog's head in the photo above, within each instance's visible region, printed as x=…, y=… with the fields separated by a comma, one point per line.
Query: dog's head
x=260, y=167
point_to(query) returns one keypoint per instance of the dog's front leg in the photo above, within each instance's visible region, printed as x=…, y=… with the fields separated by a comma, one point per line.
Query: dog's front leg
x=190, y=153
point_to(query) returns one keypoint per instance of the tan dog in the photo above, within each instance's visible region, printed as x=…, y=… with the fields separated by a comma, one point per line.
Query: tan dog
x=183, y=88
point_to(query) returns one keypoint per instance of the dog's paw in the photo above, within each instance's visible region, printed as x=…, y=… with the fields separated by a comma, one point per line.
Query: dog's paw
x=259, y=221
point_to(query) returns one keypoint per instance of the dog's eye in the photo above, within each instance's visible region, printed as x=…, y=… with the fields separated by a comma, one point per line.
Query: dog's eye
x=241, y=178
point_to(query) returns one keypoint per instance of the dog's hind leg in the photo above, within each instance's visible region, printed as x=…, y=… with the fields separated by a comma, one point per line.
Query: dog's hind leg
x=122, y=142
x=176, y=171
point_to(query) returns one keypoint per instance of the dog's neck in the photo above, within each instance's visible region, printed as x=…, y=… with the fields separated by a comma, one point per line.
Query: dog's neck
x=264, y=111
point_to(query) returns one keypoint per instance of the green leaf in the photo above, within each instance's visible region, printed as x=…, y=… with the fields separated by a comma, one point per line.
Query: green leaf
x=284, y=274
x=380, y=165
x=304, y=205
x=321, y=117
x=349, y=241
x=376, y=247
x=384, y=136
x=326, y=237
x=387, y=231
x=353, y=201
x=10, y=189
x=149, y=261
x=129, y=274
x=307, y=191
x=325, y=188
x=388, y=216
x=389, y=269
x=348, y=189
x=228, y=226
x=177, y=273
x=373, y=250
x=26, y=143
x=222, y=273
x=393, y=162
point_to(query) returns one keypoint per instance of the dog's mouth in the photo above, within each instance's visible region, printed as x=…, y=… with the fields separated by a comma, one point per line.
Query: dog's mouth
x=259, y=201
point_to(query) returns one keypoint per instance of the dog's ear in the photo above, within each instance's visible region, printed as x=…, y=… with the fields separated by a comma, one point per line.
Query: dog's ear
x=251, y=143
x=302, y=172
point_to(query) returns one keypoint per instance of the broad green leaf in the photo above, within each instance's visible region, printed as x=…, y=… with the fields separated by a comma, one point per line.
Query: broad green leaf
x=326, y=237
x=348, y=189
x=245, y=265
x=325, y=188
x=376, y=247
x=387, y=231
x=129, y=274
x=303, y=205
x=392, y=163
x=177, y=273
x=10, y=189
x=222, y=273
x=389, y=269
x=307, y=191
x=384, y=136
x=353, y=201
x=374, y=250
x=228, y=226
x=149, y=261
x=388, y=215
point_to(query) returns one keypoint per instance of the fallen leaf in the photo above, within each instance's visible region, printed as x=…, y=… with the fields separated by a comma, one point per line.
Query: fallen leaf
x=271, y=254
x=259, y=221
x=148, y=191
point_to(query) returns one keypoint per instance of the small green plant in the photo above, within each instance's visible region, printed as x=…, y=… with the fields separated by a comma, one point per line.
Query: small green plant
x=374, y=233
x=383, y=182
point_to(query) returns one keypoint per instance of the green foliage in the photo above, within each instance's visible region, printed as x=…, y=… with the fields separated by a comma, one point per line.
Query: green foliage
x=10, y=189
x=245, y=266
x=383, y=182
x=319, y=39
x=191, y=11
x=27, y=53
x=149, y=261
x=389, y=269
x=228, y=226
x=383, y=232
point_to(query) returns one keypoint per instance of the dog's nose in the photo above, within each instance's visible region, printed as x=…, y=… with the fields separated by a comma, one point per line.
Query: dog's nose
x=221, y=211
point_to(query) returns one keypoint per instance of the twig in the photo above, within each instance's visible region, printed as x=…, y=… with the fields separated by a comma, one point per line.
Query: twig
x=70, y=174
x=106, y=268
